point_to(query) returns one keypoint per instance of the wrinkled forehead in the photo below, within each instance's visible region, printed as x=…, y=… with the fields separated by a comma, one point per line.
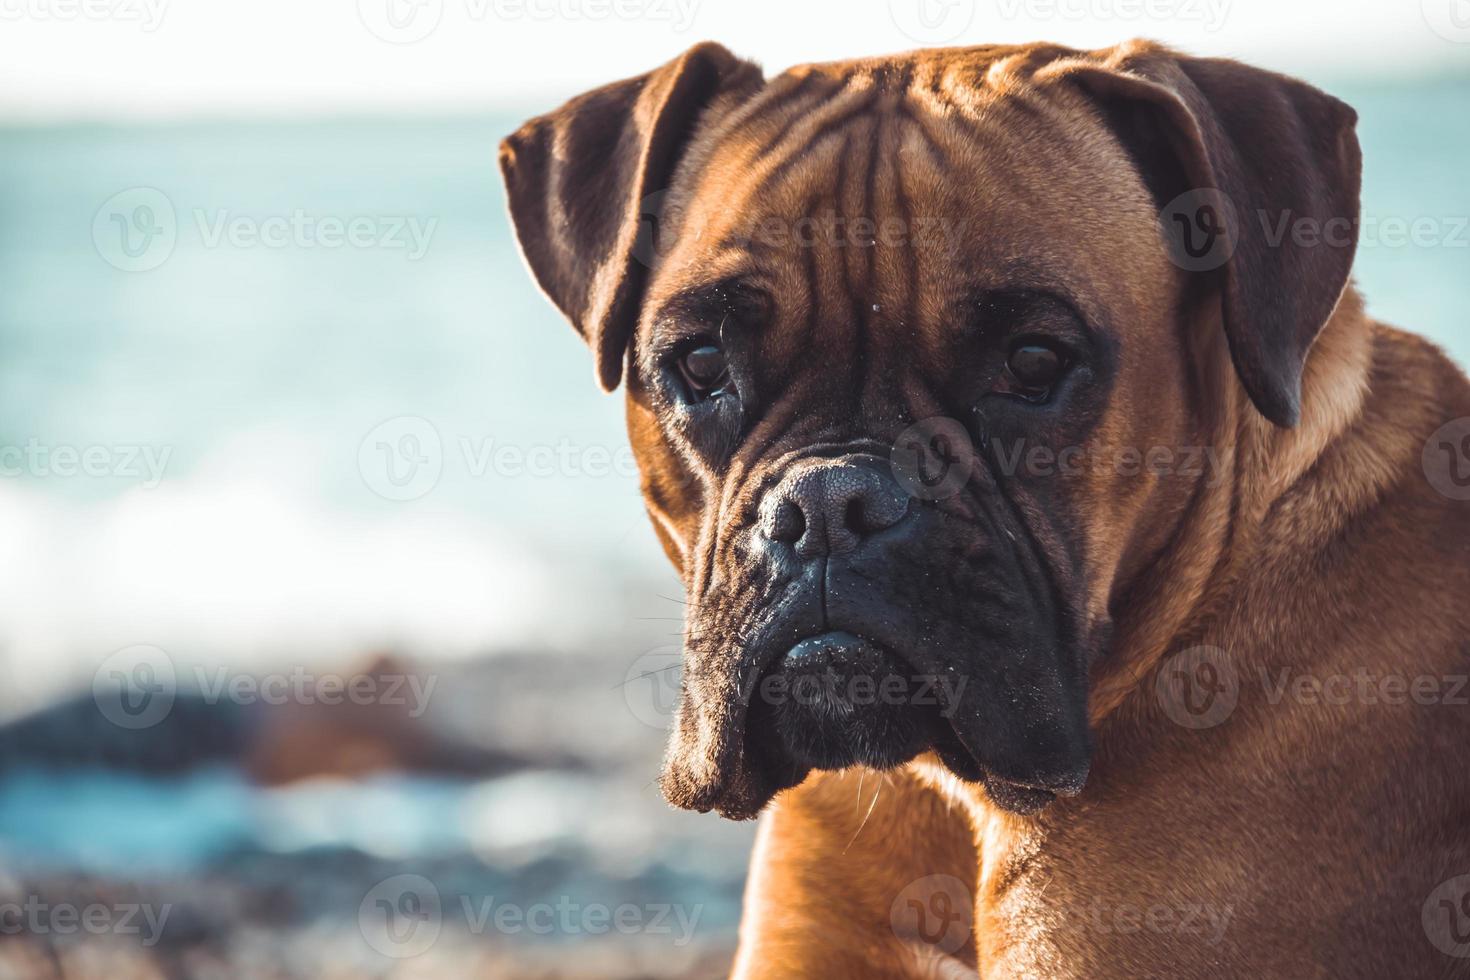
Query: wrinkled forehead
x=878, y=191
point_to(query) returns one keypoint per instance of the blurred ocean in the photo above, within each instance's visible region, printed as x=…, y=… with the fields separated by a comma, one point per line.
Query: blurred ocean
x=257, y=371
x=260, y=368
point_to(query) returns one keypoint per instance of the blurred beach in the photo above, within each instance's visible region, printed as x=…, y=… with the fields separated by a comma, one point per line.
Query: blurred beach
x=338, y=434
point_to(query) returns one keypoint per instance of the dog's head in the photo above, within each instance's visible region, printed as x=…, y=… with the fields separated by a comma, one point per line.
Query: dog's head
x=903, y=339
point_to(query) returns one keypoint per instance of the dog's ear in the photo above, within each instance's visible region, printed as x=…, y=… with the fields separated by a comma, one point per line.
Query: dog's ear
x=1259, y=175
x=577, y=177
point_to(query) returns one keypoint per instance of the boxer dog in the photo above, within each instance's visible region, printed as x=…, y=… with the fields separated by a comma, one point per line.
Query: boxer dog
x=1077, y=577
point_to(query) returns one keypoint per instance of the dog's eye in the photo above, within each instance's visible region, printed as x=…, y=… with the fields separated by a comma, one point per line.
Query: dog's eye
x=1035, y=366
x=704, y=370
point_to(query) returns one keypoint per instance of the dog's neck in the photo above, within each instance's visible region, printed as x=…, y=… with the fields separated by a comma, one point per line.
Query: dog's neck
x=1257, y=467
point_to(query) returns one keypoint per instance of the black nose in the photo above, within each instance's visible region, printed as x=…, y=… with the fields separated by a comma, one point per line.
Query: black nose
x=830, y=506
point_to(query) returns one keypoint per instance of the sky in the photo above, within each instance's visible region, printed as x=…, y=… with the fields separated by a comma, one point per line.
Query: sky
x=122, y=59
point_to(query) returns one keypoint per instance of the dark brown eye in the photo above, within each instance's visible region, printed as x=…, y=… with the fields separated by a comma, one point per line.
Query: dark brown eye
x=704, y=370
x=1035, y=366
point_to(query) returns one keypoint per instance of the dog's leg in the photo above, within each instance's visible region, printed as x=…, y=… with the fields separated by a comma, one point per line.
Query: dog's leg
x=860, y=874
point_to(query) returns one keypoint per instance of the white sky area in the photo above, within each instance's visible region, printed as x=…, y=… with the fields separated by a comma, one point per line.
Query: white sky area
x=105, y=59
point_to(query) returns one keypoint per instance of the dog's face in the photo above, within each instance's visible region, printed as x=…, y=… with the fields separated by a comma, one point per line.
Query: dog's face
x=863, y=311
x=893, y=330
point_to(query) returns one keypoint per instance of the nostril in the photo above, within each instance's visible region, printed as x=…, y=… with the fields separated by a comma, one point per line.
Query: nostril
x=788, y=523
x=831, y=508
x=874, y=510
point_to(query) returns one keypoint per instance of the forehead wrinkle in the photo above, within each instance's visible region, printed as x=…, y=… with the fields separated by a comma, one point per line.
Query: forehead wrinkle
x=832, y=112
x=922, y=186
x=729, y=201
x=896, y=267
x=789, y=92
x=855, y=202
x=977, y=148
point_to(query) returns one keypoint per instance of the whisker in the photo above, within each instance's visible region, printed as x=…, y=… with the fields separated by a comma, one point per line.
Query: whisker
x=871, y=807
x=645, y=674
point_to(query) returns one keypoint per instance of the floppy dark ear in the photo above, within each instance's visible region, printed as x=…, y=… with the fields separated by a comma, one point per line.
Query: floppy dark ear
x=1271, y=163
x=575, y=178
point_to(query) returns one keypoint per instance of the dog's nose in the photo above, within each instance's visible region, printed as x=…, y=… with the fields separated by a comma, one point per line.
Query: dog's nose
x=829, y=507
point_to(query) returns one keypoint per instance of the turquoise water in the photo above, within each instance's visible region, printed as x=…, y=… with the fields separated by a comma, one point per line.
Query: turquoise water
x=261, y=369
